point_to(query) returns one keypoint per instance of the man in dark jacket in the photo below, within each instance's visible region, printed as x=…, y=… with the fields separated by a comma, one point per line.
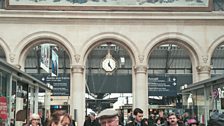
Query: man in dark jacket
x=91, y=120
x=138, y=116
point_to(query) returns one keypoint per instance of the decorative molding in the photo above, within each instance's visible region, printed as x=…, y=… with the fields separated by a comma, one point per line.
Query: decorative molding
x=77, y=69
x=205, y=59
x=12, y=57
x=77, y=57
x=18, y=66
x=141, y=69
x=203, y=69
x=141, y=58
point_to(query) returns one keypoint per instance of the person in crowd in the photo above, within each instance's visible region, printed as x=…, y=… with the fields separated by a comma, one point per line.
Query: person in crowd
x=138, y=114
x=130, y=117
x=108, y=117
x=47, y=118
x=151, y=119
x=145, y=121
x=185, y=117
x=162, y=116
x=172, y=120
x=60, y=118
x=34, y=120
x=91, y=120
x=159, y=122
x=192, y=122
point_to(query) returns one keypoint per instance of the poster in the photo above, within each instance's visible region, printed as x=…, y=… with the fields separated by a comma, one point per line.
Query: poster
x=54, y=63
x=3, y=108
x=45, y=57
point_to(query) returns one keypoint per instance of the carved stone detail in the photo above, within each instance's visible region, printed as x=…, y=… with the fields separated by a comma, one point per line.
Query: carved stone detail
x=77, y=57
x=18, y=66
x=141, y=58
x=205, y=59
x=12, y=57
x=204, y=69
x=77, y=69
x=141, y=69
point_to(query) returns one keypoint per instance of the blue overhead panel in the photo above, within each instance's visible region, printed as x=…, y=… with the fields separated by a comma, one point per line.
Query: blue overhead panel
x=102, y=83
x=162, y=85
x=167, y=84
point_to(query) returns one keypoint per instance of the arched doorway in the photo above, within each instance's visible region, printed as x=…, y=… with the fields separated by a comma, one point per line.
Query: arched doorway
x=49, y=62
x=109, y=78
x=170, y=68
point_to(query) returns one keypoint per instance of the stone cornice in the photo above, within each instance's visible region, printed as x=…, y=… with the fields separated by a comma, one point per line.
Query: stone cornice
x=203, y=69
x=141, y=69
x=77, y=69
x=215, y=15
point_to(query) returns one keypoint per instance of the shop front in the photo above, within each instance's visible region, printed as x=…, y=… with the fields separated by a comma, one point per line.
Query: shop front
x=20, y=96
x=203, y=98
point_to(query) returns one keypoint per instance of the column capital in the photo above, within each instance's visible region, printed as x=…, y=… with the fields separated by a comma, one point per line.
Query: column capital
x=140, y=69
x=203, y=69
x=77, y=69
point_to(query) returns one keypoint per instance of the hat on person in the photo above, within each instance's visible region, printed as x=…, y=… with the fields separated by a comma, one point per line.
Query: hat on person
x=192, y=121
x=92, y=114
x=34, y=116
x=107, y=113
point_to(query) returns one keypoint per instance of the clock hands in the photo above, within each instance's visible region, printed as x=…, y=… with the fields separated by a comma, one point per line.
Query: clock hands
x=109, y=64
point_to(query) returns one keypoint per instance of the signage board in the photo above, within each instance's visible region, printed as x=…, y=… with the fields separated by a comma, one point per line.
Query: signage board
x=60, y=83
x=162, y=85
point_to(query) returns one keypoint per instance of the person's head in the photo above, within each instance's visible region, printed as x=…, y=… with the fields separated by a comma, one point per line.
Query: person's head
x=192, y=122
x=145, y=121
x=35, y=119
x=108, y=117
x=138, y=114
x=60, y=118
x=159, y=120
x=172, y=119
x=92, y=116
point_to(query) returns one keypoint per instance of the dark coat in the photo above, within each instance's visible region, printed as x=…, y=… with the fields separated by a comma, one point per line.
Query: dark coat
x=88, y=122
x=133, y=123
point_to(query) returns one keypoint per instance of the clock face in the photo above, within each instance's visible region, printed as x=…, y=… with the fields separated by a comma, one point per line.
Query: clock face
x=109, y=64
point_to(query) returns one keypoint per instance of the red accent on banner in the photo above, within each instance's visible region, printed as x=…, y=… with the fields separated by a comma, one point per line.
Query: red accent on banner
x=3, y=108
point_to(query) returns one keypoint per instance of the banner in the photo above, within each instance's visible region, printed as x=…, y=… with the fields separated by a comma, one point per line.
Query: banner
x=54, y=60
x=3, y=108
x=45, y=57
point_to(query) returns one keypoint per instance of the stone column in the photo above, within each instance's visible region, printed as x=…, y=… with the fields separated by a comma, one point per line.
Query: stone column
x=77, y=106
x=140, y=89
x=36, y=99
x=47, y=101
x=204, y=72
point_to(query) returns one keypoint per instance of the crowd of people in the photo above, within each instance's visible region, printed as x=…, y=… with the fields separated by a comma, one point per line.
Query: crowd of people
x=58, y=118
x=109, y=117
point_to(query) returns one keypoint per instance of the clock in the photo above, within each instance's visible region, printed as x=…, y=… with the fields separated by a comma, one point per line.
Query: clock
x=109, y=64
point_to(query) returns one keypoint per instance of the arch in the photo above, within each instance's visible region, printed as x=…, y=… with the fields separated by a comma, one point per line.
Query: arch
x=38, y=38
x=213, y=46
x=115, y=38
x=6, y=48
x=188, y=43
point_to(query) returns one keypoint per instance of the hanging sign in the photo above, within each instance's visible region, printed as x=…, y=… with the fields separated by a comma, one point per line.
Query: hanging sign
x=3, y=108
x=162, y=86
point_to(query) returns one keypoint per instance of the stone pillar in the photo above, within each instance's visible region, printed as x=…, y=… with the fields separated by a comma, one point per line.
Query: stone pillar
x=36, y=99
x=47, y=100
x=204, y=72
x=140, y=89
x=77, y=109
